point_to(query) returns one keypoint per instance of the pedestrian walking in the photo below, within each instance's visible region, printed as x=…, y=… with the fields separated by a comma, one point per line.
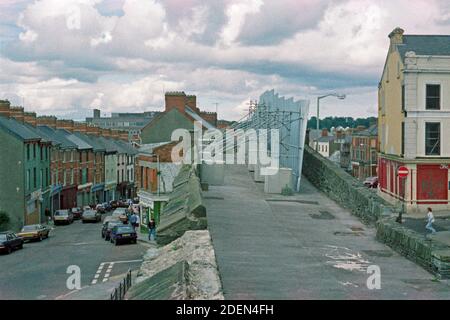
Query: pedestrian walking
x=133, y=220
x=430, y=221
x=151, y=229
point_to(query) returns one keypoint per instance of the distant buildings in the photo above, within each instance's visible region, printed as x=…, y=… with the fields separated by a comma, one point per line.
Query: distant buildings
x=130, y=122
x=414, y=121
x=364, y=152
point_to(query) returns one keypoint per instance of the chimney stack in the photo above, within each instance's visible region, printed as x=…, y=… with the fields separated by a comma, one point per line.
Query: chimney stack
x=325, y=132
x=5, y=106
x=396, y=36
x=30, y=118
x=115, y=134
x=65, y=124
x=123, y=135
x=49, y=121
x=106, y=133
x=96, y=113
x=80, y=127
x=93, y=130
x=16, y=113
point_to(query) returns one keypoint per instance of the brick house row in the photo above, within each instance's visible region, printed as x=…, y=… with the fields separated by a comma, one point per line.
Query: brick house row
x=62, y=164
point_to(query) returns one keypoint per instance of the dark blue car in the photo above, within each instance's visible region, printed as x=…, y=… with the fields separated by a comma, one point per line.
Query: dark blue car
x=123, y=233
x=9, y=241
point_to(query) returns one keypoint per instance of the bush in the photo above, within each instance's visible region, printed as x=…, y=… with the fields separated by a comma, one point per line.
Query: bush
x=4, y=220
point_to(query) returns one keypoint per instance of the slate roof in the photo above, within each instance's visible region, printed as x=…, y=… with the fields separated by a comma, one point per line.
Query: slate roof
x=57, y=138
x=371, y=131
x=96, y=145
x=428, y=45
x=326, y=139
x=109, y=145
x=19, y=130
x=128, y=148
x=81, y=144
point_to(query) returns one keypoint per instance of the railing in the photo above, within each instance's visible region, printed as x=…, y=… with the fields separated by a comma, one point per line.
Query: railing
x=121, y=290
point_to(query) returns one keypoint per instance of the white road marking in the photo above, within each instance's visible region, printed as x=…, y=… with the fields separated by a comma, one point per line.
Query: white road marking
x=109, y=269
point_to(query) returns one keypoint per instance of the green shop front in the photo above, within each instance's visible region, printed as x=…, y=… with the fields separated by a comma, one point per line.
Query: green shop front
x=150, y=206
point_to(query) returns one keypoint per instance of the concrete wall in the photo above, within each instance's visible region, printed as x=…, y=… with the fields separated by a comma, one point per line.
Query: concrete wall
x=430, y=254
x=343, y=188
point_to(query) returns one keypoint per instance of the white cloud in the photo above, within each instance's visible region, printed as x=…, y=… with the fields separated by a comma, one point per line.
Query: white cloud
x=68, y=55
x=237, y=13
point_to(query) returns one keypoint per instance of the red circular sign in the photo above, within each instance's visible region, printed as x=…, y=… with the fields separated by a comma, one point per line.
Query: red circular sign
x=402, y=172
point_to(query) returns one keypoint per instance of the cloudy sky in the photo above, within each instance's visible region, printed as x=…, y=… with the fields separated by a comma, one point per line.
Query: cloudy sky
x=65, y=57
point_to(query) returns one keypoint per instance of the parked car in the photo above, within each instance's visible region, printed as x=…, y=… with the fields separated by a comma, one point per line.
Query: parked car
x=91, y=216
x=9, y=241
x=86, y=208
x=34, y=232
x=100, y=208
x=62, y=216
x=121, y=214
x=122, y=234
x=371, y=182
x=108, y=226
x=77, y=212
x=107, y=206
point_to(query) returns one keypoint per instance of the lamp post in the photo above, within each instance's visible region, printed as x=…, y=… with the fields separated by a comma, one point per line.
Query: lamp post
x=337, y=95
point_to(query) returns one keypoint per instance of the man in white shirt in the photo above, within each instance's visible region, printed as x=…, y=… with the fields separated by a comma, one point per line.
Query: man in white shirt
x=430, y=221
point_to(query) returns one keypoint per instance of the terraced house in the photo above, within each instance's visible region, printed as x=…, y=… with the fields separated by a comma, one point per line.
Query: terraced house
x=414, y=121
x=25, y=168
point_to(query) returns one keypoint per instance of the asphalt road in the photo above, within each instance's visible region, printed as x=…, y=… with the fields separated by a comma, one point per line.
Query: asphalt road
x=39, y=270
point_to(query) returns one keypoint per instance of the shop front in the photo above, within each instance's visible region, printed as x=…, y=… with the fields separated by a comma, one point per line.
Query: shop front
x=68, y=197
x=84, y=195
x=55, y=190
x=97, y=193
x=151, y=206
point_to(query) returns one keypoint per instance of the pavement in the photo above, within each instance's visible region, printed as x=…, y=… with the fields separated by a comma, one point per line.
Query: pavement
x=303, y=247
x=39, y=270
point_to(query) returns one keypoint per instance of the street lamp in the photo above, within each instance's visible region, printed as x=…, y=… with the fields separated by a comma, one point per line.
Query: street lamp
x=337, y=95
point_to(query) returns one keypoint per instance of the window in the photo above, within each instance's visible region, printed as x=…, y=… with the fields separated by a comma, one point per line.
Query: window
x=34, y=178
x=46, y=177
x=433, y=99
x=28, y=180
x=34, y=151
x=432, y=139
x=41, y=153
x=42, y=178
x=28, y=152
x=403, y=97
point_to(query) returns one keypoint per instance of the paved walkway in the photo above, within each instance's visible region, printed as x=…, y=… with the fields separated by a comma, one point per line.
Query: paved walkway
x=305, y=248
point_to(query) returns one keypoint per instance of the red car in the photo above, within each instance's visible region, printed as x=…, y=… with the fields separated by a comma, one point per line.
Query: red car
x=371, y=182
x=77, y=212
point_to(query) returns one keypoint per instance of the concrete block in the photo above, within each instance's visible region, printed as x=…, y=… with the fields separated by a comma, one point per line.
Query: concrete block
x=212, y=174
x=275, y=183
x=258, y=177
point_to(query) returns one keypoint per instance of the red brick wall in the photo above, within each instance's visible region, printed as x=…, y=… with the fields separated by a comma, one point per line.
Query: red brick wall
x=177, y=101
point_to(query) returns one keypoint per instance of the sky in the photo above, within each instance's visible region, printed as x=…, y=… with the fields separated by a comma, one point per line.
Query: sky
x=66, y=57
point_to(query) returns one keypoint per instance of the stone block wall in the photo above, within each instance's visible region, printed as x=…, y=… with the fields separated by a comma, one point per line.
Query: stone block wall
x=428, y=253
x=343, y=188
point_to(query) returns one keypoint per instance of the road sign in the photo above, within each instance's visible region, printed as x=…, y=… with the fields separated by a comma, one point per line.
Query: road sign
x=402, y=172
